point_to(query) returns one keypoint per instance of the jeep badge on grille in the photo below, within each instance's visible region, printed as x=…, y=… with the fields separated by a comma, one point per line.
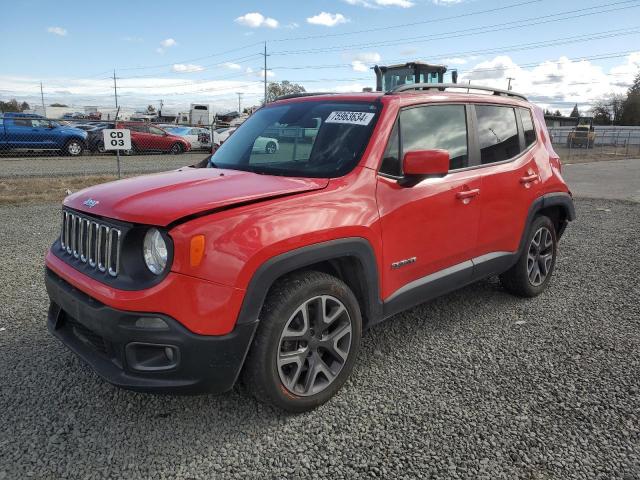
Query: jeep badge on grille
x=90, y=202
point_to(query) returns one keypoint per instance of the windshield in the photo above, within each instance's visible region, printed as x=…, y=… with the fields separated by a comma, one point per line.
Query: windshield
x=306, y=139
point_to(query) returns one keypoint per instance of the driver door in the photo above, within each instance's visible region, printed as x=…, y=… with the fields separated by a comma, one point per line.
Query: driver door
x=429, y=230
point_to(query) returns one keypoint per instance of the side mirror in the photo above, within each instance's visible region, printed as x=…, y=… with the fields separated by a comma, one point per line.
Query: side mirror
x=419, y=164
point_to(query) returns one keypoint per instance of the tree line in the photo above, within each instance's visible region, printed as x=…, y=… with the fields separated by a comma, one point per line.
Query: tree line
x=613, y=109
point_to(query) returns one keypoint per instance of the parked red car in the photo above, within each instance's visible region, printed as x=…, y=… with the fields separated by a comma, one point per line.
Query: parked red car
x=268, y=267
x=146, y=138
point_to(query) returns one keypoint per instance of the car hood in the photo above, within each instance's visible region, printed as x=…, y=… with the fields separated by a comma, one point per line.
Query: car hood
x=163, y=198
x=74, y=131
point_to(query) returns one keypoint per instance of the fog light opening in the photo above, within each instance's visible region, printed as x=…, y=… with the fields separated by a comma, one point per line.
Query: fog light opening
x=152, y=323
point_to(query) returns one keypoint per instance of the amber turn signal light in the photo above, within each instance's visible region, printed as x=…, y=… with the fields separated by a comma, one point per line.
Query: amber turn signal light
x=197, y=250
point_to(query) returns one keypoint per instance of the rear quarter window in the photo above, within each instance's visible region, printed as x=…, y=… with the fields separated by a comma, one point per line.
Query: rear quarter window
x=528, y=127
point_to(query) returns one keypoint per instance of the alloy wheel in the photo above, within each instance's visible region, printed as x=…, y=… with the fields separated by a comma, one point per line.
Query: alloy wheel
x=540, y=256
x=314, y=345
x=74, y=148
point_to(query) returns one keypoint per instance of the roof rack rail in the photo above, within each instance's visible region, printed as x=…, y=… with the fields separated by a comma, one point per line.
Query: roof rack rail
x=443, y=86
x=303, y=94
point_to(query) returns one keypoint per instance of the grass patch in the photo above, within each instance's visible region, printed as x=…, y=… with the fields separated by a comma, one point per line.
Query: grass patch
x=14, y=191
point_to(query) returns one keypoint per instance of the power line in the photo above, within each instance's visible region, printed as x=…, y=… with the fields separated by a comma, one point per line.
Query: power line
x=404, y=25
x=470, y=31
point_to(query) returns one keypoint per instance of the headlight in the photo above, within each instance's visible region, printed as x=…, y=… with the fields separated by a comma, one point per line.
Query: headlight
x=155, y=251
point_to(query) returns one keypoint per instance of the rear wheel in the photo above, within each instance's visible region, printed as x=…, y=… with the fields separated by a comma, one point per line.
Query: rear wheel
x=100, y=147
x=306, y=343
x=176, y=149
x=532, y=273
x=74, y=148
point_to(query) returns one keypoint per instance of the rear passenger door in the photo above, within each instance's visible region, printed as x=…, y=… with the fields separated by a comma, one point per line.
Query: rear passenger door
x=432, y=225
x=510, y=176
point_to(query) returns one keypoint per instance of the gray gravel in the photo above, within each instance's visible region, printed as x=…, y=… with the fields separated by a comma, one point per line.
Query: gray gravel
x=47, y=166
x=477, y=384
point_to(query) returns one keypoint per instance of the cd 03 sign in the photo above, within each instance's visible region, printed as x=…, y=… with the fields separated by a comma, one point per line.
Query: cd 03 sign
x=118, y=139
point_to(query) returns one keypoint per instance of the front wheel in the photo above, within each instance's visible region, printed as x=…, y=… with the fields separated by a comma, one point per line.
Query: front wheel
x=74, y=148
x=532, y=273
x=176, y=149
x=306, y=344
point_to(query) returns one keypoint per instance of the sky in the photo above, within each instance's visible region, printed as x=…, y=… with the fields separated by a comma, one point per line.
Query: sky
x=557, y=52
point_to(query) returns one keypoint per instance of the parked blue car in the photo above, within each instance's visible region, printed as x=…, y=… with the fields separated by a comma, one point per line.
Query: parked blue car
x=27, y=131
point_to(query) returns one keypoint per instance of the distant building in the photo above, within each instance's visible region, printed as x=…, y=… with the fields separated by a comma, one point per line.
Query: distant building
x=560, y=121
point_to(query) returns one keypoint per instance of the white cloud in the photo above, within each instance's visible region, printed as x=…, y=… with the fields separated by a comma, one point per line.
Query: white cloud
x=168, y=42
x=361, y=62
x=327, y=19
x=454, y=61
x=381, y=3
x=292, y=26
x=447, y=3
x=256, y=20
x=358, y=66
x=186, y=68
x=231, y=66
x=58, y=31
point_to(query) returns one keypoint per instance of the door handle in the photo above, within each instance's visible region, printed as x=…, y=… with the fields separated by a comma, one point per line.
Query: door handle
x=467, y=194
x=529, y=178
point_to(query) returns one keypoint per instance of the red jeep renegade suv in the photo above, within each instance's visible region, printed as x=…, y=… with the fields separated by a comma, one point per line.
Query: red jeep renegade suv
x=268, y=267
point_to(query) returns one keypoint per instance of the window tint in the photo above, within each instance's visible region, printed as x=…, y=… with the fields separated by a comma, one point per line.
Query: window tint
x=156, y=131
x=391, y=157
x=22, y=122
x=527, y=126
x=436, y=126
x=498, y=133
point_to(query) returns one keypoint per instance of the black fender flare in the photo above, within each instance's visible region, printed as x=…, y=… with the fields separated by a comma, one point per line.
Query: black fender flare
x=274, y=268
x=560, y=199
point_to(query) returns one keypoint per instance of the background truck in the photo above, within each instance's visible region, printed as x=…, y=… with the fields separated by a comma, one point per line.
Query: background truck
x=27, y=131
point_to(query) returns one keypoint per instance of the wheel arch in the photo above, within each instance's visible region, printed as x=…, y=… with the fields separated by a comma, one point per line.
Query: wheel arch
x=558, y=206
x=352, y=260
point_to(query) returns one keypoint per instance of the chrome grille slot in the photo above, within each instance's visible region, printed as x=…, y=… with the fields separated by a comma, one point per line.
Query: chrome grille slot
x=91, y=242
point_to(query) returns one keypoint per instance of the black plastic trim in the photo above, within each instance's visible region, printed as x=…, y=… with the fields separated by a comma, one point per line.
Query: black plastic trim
x=204, y=364
x=280, y=265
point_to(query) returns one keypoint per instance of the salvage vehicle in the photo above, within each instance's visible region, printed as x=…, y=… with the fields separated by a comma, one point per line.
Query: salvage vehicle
x=198, y=137
x=148, y=138
x=267, y=269
x=26, y=131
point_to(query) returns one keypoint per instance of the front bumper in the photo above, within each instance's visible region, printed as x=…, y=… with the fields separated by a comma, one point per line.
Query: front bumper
x=132, y=357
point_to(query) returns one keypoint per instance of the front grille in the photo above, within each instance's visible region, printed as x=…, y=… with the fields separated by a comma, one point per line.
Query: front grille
x=91, y=242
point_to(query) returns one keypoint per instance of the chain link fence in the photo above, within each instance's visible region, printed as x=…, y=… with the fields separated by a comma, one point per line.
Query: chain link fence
x=603, y=143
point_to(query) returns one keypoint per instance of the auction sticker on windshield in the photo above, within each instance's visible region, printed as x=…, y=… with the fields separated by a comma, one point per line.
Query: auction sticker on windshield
x=354, y=118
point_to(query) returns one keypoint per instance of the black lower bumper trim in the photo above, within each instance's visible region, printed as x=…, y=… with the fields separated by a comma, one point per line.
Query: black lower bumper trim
x=100, y=335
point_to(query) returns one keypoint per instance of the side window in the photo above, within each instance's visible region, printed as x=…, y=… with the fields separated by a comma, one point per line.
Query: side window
x=527, y=126
x=391, y=158
x=156, y=131
x=498, y=133
x=22, y=122
x=437, y=126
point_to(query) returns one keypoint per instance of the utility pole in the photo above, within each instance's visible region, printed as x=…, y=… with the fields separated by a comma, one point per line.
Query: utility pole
x=115, y=90
x=265, y=72
x=44, y=110
x=509, y=85
x=239, y=98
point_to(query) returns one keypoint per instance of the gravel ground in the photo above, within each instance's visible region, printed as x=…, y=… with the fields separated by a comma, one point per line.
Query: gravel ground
x=47, y=166
x=477, y=384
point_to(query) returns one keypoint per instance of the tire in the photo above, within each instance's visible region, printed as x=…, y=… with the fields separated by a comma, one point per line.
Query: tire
x=532, y=273
x=176, y=149
x=282, y=380
x=271, y=147
x=73, y=148
x=100, y=148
